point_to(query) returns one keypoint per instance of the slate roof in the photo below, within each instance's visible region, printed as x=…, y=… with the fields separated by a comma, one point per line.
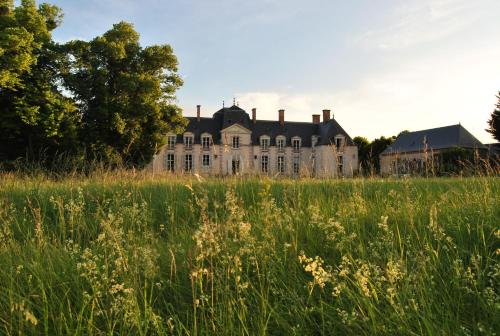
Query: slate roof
x=229, y=116
x=436, y=138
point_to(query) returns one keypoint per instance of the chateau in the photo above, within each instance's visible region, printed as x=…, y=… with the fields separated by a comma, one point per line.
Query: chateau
x=233, y=143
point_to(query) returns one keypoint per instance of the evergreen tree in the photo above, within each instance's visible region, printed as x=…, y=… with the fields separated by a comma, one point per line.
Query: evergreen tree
x=494, y=122
x=125, y=94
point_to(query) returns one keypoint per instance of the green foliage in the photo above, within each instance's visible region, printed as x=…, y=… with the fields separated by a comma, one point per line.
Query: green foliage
x=147, y=256
x=363, y=151
x=369, y=152
x=494, y=122
x=35, y=115
x=455, y=160
x=125, y=94
x=118, y=99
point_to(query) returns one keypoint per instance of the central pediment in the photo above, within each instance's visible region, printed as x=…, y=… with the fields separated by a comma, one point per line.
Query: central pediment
x=236, y=129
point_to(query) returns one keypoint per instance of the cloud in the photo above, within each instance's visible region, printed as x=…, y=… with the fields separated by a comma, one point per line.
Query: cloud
x=417, y=22
x=298, y=107
x=422, y=94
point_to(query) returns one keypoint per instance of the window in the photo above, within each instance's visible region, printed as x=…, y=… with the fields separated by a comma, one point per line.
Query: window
x=296, y=165
x=264, y=144
x=264, y=163
x=340, y=164
x=205, y=142
x=296, y=145
x=171, y=142
x=314, y=141
x=236, y=142
x=339, y=141
x=281, y=164
x=280, y=143
x=206, y=160
x=188, y=141
x=170, y=162
x=188, y=162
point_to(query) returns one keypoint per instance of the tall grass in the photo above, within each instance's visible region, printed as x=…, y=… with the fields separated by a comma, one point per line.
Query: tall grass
x=129, y=255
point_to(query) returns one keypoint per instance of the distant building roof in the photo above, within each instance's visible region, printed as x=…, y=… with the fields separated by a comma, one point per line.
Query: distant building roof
x=435, y=138
x=225, y=117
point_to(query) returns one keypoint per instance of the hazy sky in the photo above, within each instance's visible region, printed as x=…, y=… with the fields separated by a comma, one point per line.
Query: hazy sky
x=380, y=66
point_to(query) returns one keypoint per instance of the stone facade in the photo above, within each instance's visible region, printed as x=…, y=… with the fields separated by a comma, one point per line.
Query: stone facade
x=230, y=143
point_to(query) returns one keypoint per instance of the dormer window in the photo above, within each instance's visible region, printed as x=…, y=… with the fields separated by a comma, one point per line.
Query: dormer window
x=280, y=143
x=314, y=141
x=171, y=139
x=264, y=143
x=236, y=142
x=206, y=141
x=296, y=144
x=188, y=141
x=339, y=142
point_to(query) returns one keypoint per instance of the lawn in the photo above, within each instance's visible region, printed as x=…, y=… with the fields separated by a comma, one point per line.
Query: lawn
x=121, y=255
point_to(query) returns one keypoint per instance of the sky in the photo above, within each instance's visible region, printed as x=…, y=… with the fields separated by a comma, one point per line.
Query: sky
x=381, y=66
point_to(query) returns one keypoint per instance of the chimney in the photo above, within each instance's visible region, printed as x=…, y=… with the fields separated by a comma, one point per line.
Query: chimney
x=316, y=119
x=198, y=112
x=254, y=115
x=326, y=115
x=282, y=117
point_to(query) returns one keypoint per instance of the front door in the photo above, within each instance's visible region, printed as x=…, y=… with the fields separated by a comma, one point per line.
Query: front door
x=235, y=166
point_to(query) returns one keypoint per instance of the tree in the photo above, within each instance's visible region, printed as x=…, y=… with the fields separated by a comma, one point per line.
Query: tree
x=363, y=151
x=35, y=116
x=125, y=94
x=16, y=47
x=494, y=122
x=369, y=152
x=377, y=147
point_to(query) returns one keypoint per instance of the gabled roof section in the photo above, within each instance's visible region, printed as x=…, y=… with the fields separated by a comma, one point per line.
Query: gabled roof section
x=328, y=132
x=236, y=128
x=435, y=138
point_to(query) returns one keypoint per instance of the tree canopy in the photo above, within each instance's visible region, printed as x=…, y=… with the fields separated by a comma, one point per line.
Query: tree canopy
x=35, y=115
x=124, y=93
x=494, y=121
x=108, y=98
x=369, y=152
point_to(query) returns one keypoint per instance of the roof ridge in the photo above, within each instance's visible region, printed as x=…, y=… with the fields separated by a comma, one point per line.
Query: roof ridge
x=432, y=129
x=291, y=121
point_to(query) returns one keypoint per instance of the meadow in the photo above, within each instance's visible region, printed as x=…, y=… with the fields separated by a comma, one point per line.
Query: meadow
x=121, y=255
